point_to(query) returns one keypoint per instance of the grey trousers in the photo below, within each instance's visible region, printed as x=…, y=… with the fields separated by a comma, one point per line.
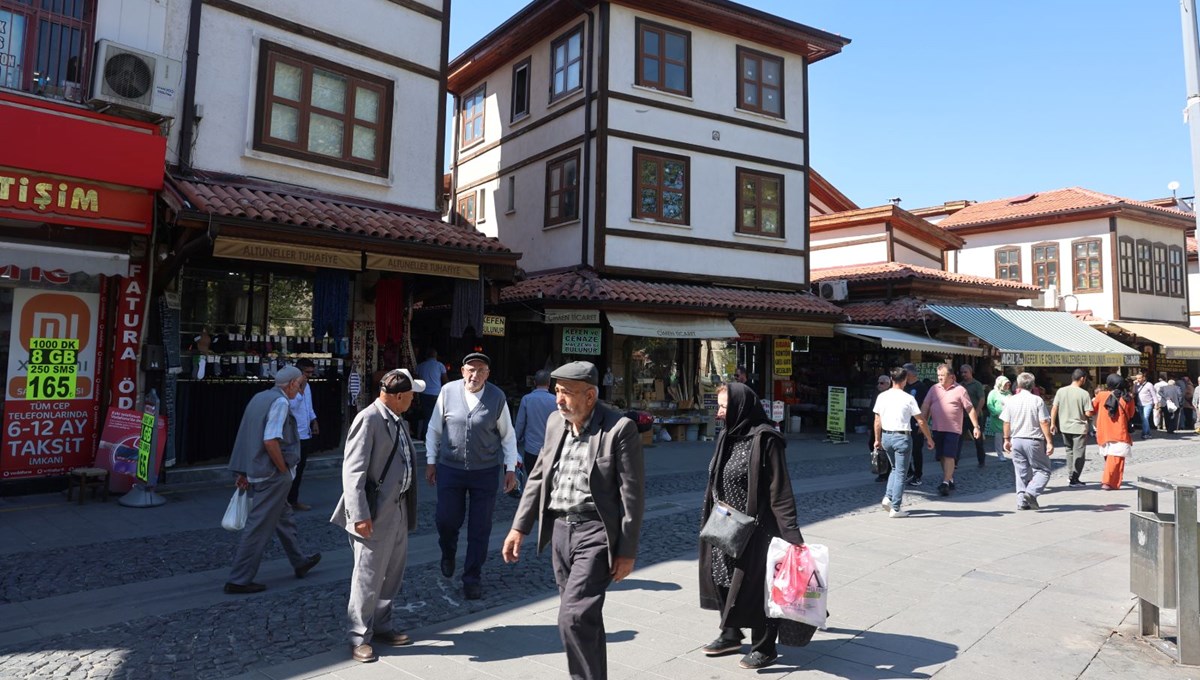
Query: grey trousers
x=269, y=514
x=1031, y=466
x=580, y=558
x=378, y=574
x=1076, y=446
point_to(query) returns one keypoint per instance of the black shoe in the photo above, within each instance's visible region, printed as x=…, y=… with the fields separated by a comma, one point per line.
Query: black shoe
x=239, y=589
x=447, y=565
x=953, y=486
x=756, y=660
x=882, y=478
x=1076, y=482
x=1032, y=502
x=473, y=591
x=943, y=489
x=914, y=481
x=722, y=646
x=308, y=565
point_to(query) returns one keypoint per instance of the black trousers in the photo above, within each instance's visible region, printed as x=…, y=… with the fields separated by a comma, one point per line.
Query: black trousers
x=967, y=436
x=916, y=464
x=307, y=446
x=762, y=639
x=579, y=554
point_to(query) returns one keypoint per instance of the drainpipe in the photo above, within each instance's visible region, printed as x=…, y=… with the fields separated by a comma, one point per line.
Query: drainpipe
x=188, y=122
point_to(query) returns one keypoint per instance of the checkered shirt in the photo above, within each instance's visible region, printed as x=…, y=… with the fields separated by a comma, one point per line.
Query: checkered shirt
x=572, y=491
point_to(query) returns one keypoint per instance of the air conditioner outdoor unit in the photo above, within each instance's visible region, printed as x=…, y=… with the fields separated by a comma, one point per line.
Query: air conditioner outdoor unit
x=835, y=290
x=137, y=81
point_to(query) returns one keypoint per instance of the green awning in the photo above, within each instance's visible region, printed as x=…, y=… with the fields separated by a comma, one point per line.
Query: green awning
x=1030, y=337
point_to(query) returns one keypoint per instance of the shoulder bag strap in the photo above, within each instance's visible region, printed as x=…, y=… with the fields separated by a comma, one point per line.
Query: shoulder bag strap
x=388, y=464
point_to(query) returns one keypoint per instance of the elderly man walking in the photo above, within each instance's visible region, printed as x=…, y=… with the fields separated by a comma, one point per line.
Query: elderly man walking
x=536, y=408
x=265, y=454
x=470, y=439
x=587, y=494
x=946, y=404
x=1027, y=438
x=1071, y=415
x=378, y=508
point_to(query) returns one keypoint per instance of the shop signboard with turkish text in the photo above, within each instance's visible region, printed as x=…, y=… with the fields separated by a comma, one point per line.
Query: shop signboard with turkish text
x=783, y=356
x=71, y=201
x=572, y=316
x=579, y=340
x=49, y=419
x=416, y=265
x=835, y=416
x=493, y=325
x=1045, y=359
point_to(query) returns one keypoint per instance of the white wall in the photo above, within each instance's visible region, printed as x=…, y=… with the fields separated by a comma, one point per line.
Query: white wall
x=907, y=255
x=1193, y=283
x=844, y=256
x=1154, y=307
x=140, y=24
x=226, y=82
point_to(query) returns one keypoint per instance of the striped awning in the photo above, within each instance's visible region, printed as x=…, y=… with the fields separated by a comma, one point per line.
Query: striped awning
x=894, y=338
x=1030, y=337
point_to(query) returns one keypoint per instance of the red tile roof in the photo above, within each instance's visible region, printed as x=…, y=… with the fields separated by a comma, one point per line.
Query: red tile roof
x=1047, y=203
x=901, y=311
x=895, y=271
x=302, y=207
x=585, y=285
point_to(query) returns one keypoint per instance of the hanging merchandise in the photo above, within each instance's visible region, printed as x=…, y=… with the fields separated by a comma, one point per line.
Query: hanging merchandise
x=389, y=310
x=468, y=307
x=331, y=303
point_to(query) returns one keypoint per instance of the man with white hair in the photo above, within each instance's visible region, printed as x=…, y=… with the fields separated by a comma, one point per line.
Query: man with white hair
x=1027, y=438
x=264, y=458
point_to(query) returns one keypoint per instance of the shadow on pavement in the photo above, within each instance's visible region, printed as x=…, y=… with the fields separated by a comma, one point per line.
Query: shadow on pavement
x=642, y=584
x=1055, y=507
x=877, y=656
x=917, y=513
x=496, y=643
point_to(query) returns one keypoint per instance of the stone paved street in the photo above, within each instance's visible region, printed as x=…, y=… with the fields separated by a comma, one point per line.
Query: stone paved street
x=101, y=591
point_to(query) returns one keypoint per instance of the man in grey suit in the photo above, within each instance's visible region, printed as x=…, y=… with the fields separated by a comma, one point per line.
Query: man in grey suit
x=379, y=455
x=586, y=493
x=264, y=458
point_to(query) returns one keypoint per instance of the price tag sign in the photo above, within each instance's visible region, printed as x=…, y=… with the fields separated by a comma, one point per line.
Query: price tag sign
x=52, y=369
x=146, y=442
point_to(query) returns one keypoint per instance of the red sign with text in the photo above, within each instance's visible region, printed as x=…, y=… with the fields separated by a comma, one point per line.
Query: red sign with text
x=131, y=310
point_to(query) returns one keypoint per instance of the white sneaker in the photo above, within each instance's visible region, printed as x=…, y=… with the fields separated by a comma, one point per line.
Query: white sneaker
x=886, y=504
x=898, y=513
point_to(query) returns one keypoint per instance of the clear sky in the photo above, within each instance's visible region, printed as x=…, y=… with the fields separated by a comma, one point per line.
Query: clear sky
x=941, y=100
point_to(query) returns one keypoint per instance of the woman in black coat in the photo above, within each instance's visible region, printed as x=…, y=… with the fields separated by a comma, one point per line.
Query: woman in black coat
x=749, y=472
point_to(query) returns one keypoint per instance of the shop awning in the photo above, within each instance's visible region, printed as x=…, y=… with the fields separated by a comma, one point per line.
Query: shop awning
x=783, y=327
x=1027, y=337
x=671, y=326
x=1177, y=342
x=285, y=253
x=70, y=260
x=894, y=338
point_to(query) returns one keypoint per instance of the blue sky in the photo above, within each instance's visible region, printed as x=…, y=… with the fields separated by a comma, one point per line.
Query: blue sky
x=940, y=100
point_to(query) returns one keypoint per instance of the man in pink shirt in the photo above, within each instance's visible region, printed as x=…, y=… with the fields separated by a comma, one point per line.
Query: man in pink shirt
x=945, y=406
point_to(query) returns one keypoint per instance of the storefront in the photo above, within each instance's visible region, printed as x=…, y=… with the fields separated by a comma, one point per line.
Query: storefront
x=76, y=211
x=1173, y=350
x=254, y=296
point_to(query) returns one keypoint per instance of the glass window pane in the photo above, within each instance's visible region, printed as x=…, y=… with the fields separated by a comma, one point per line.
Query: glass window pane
x=556, y=179
x=568, y=208
x=749, y=193
x=770, y=191
x=328, y=91
x=560, y=57
x=770, y=221
x=573, y=76
x=571, y=169
x=366, y=105
x=770, y=72
x=649, y=70
x=553, y=208
x=650, y=42
x=560, y=82
x=770, y=102
x=676, y=77
x=750, y=94
x=673, y=175
x=749, y=218
x=672, y=205
x=749, y=68
x=649, y=203
x=649, y=172
x=285, y=123
x=287, y=81
x=574, y=45
x=325, y=135
x=676, y=47
x=364, y=143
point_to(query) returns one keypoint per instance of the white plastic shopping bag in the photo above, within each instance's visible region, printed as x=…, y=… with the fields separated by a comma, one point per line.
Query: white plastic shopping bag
x=797, y=586
x=238, y=510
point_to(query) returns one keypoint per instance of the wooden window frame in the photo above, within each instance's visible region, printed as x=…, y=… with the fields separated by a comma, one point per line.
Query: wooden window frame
x=464, y=122
x=525, y=64
x=741, y=175
x=1127, y=261
x=1176, y=271
x=1075, y=266
x=566, y=38
x=466, y=210
x=640, y=154
x=742, y=53
x=38, y=18
x=1160, y=269
x=270, y=54
x=1057, y=260
x=558, y=165
x=662, y=30
x=1145, y=266
x=1010, y=265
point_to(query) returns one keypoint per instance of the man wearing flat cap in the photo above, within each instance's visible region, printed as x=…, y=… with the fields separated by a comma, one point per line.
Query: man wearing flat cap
x=264, y=459
x=380, y=462
x=470, y=439
x=586, y=492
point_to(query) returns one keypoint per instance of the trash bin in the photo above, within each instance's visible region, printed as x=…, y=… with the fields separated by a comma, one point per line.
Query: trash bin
x=1164, y=564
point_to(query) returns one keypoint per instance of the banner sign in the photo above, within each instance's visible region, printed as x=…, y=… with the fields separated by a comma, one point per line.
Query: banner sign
x=578, y=340
x=146, y=442
x=284, y=253
x=783, y=356
x=416, y=265
x=1041, y=359
x=119, y=445
x=572, y=316
x=131, y=310
x=493, y=325
x=49, y=419
x=72, y=201
x=835, y=416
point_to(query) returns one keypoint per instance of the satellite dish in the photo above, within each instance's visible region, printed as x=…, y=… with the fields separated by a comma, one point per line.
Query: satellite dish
x=1172, y=186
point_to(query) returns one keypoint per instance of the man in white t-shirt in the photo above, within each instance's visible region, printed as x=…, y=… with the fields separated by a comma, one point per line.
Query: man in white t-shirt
x=895, y=409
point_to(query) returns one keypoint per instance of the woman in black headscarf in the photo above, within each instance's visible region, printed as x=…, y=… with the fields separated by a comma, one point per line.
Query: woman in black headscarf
x=748, y=472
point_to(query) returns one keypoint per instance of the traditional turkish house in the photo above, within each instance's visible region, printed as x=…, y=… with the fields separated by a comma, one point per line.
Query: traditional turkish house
x=76, y=210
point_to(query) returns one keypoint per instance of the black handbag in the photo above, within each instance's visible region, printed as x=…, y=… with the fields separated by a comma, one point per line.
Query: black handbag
x=728, y=529
x=372, y=487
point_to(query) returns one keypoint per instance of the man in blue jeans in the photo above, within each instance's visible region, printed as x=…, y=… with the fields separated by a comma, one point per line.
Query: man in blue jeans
x=469, y=440
x=1147, y=399
x=895, y=409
